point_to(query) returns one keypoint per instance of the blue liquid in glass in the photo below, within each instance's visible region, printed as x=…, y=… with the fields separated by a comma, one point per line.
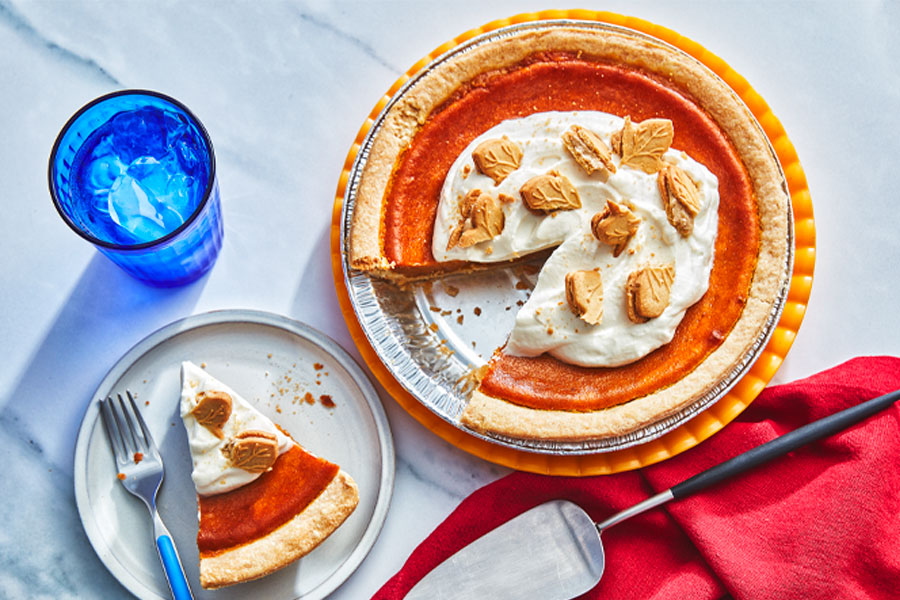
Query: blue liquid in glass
x=139, y=176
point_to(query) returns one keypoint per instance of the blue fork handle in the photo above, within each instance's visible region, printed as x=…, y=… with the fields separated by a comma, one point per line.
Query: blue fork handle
x=171, y=563
x=174, y=573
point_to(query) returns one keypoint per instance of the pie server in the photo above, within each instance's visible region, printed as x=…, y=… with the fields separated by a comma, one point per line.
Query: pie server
x=554, y=550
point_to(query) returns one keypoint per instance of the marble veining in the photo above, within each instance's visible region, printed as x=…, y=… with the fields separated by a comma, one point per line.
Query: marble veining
x=42, y=544
x=345, y=36
x=13, y=18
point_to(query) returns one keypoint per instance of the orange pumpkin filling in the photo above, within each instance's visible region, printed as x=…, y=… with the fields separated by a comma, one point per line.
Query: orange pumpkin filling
x=564, y=82
x=263, y=505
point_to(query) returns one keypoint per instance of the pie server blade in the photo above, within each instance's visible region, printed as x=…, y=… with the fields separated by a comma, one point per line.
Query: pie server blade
x=553, y=551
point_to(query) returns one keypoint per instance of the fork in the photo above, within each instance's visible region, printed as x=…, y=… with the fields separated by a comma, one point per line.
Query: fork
x=141, y=472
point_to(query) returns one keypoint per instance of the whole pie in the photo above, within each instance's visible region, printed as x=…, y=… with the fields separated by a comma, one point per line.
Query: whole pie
x=644, y=177
x=263, y=500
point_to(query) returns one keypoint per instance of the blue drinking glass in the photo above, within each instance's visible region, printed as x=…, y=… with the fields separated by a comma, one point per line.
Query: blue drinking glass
x=134, y=173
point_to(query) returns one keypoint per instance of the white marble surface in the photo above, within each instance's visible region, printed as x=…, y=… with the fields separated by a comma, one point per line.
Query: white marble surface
x=283, y=88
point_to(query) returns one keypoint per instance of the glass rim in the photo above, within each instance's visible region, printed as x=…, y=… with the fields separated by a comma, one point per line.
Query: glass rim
x=207, y=193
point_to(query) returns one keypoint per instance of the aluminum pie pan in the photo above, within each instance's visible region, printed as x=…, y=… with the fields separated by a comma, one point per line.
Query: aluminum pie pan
x=416, y=330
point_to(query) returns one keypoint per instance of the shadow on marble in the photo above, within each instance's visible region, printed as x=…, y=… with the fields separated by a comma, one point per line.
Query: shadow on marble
x=106, y=313
x=315, y=300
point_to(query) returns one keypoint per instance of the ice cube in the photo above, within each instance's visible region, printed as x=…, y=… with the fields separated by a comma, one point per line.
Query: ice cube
x=103, y=172
x=131, y=209
x=98, y=201
x=97, y=164
x=151, y=175
x=175, y=123
x=139, y=132
x=181, y=195
x=186, y=151
x=145, y=229
x=170, y=163
x=171, y=219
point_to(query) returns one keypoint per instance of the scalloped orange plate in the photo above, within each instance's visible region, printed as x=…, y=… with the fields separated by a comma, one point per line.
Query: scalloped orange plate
x=707, y=422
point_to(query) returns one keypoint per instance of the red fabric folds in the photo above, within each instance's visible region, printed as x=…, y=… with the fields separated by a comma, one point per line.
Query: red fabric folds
x=822, y=522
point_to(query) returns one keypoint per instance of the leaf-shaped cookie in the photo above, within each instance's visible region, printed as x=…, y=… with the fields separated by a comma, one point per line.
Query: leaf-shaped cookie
x=497, y=158
x=584, y=293
x=644, y=143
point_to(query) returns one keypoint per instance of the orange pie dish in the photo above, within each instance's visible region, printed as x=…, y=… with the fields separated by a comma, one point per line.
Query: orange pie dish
x=263, y=500
x=644, y=178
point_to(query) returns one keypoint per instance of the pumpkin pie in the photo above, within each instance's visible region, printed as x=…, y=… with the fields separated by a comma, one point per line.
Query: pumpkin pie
x=263, y=500
x=643, y=174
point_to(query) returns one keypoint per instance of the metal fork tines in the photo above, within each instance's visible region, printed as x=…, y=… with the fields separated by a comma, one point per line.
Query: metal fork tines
x=137, y=457
x=141, y=471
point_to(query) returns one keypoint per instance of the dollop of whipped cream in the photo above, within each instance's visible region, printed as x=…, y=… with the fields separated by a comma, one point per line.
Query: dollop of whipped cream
x=546, y=323
x=213, y=472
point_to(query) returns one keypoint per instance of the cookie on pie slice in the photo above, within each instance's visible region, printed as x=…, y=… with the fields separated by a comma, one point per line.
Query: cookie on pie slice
x=263, y=500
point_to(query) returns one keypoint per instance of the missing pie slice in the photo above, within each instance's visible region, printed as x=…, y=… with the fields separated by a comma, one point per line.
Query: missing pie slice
x=263, y=500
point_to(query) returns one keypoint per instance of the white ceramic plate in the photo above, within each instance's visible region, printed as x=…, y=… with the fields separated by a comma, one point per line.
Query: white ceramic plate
x=270, y=360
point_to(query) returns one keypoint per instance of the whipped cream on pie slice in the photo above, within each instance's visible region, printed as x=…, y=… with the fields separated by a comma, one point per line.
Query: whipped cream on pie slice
x=211, y=441
x=546, y=323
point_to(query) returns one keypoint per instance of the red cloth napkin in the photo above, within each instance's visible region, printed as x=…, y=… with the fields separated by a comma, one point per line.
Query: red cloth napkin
x=822, y=522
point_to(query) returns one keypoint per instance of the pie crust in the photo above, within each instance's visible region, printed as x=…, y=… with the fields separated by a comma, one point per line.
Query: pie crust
x=277, y=507
x=488, y=414
x=280, y=547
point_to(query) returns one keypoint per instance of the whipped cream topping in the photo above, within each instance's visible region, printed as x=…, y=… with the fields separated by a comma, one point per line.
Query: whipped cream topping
x=213, y=473
x=546, y=323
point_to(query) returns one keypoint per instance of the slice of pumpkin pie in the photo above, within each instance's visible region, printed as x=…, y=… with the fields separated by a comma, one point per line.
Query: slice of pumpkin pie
x=264, y=501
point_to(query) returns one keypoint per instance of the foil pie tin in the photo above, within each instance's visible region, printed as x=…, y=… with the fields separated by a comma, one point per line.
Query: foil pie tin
x=431, y=334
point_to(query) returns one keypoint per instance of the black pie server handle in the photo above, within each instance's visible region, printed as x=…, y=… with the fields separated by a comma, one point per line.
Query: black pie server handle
x=783, y=444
